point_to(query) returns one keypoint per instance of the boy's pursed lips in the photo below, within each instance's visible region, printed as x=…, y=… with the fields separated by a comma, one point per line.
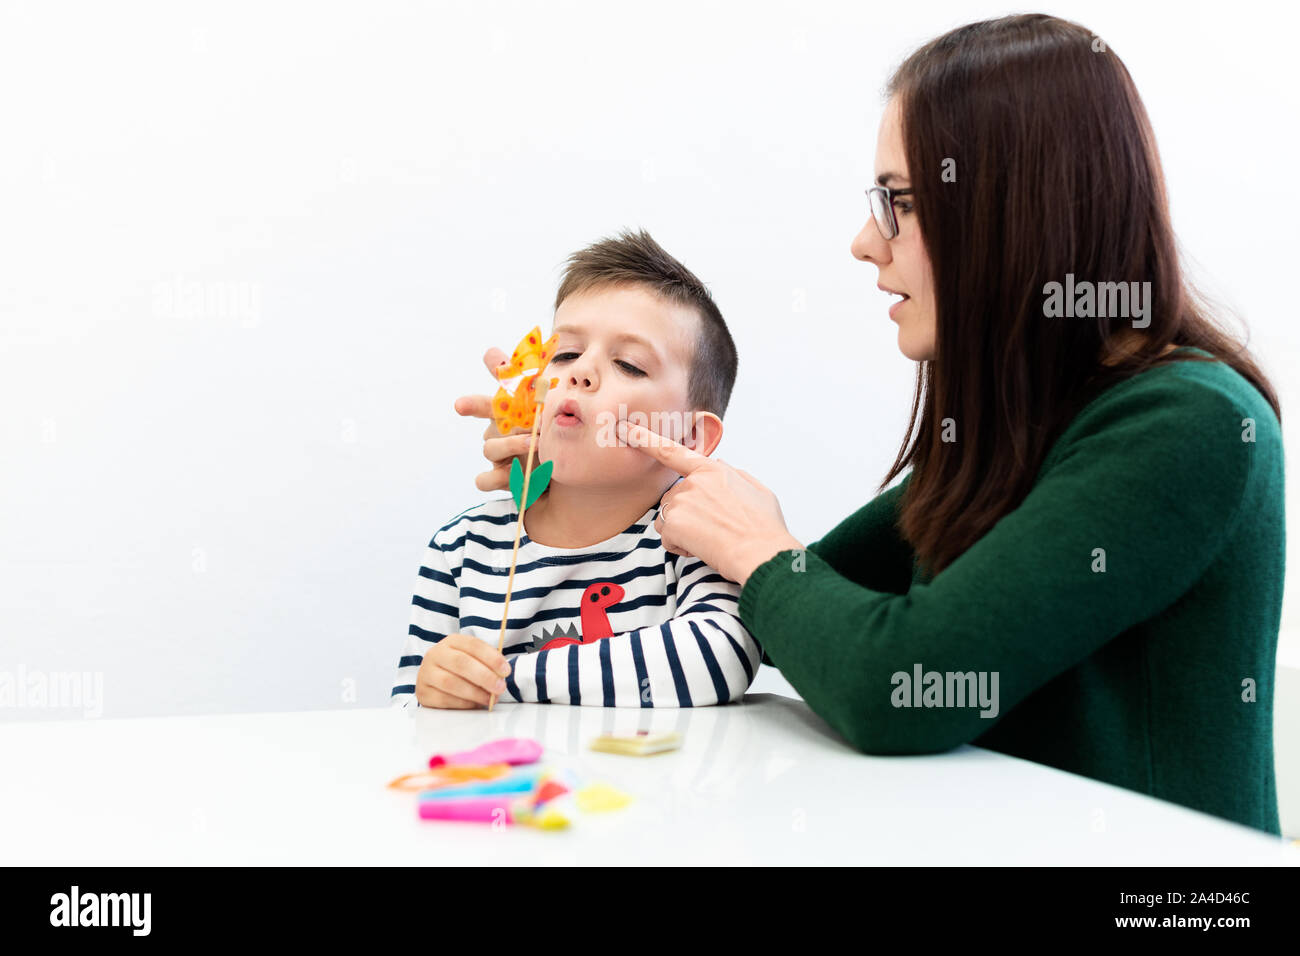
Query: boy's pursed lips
x=569, y=413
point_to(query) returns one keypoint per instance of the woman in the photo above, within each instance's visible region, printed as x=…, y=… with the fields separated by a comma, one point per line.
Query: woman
x=1083, y=566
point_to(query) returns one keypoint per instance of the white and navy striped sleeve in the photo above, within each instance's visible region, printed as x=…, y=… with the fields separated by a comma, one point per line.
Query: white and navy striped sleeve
x=434, y=614
x=703, y=655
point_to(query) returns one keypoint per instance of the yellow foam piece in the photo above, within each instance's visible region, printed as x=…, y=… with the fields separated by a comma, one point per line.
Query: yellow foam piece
x=599, y=797
x=549, y=818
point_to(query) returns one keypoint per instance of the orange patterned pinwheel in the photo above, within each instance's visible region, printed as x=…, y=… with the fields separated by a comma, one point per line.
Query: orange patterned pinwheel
x=529, y=359
x=531, y=355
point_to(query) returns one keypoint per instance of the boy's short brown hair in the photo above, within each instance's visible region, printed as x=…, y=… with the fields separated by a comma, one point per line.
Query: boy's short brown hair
x=637, y=258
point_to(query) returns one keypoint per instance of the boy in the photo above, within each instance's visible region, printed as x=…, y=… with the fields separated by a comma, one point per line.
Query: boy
x=600, y=612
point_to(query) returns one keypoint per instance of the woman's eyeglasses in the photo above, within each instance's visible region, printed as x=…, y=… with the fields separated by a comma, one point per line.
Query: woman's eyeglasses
x=882, y=208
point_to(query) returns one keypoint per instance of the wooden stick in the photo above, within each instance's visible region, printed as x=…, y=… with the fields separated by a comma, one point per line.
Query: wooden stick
x=514, y=556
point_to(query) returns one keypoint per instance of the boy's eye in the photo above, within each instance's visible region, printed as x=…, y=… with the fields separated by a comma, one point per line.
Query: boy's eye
x=627, y=367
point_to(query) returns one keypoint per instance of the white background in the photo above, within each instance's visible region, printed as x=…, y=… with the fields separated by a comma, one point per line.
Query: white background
x=251, y=252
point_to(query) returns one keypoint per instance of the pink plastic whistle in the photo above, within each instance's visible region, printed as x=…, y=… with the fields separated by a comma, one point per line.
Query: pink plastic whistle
x=487, y=809
x=511, y=750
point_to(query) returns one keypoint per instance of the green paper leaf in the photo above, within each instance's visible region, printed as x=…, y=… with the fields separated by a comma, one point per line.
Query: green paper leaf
x=516, y=481
x=537, y=482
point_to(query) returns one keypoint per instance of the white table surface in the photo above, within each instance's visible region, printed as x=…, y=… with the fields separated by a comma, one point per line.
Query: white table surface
x=764, y=781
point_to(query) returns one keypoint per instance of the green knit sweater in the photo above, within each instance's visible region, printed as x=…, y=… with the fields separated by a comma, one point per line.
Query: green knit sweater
x=1148, y=664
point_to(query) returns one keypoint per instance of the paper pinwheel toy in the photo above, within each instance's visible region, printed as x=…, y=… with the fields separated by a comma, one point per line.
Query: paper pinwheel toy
x=521, y=409
x=530, y=357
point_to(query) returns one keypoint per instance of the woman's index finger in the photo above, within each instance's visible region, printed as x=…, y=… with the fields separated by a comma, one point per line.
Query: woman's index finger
x=679, y=458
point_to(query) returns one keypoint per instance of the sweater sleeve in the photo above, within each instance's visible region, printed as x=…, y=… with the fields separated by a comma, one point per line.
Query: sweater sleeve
x=867, y=548
x=434, y=615
x=704, y=655
x=1112, y=533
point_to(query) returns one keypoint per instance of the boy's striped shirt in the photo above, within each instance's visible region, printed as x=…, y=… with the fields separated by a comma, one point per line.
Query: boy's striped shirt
x=657, y=629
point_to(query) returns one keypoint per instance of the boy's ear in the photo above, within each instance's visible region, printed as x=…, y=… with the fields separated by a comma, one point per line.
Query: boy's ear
x=706, y=432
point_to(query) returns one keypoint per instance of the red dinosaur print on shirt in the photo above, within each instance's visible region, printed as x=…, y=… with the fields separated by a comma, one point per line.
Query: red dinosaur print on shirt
x=596, y=602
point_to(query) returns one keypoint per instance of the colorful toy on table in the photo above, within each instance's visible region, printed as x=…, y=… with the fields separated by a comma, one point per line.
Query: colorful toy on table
x=599, y=797
x=499, y=809
x=527, y=797
x=522, y=410
x=525, y=781
x=641, y=744
x=509, y=750
x=505, y=790
x=447, y=776
x=485, y=762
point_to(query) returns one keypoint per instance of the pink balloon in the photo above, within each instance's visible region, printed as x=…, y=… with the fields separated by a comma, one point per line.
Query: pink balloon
x=511, y=750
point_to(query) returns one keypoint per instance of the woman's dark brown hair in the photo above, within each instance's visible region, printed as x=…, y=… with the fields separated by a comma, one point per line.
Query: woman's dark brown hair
x=1056, y=172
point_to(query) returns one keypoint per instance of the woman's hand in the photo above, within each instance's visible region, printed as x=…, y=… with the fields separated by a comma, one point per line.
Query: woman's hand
x=500, y=450
x=722, y=515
